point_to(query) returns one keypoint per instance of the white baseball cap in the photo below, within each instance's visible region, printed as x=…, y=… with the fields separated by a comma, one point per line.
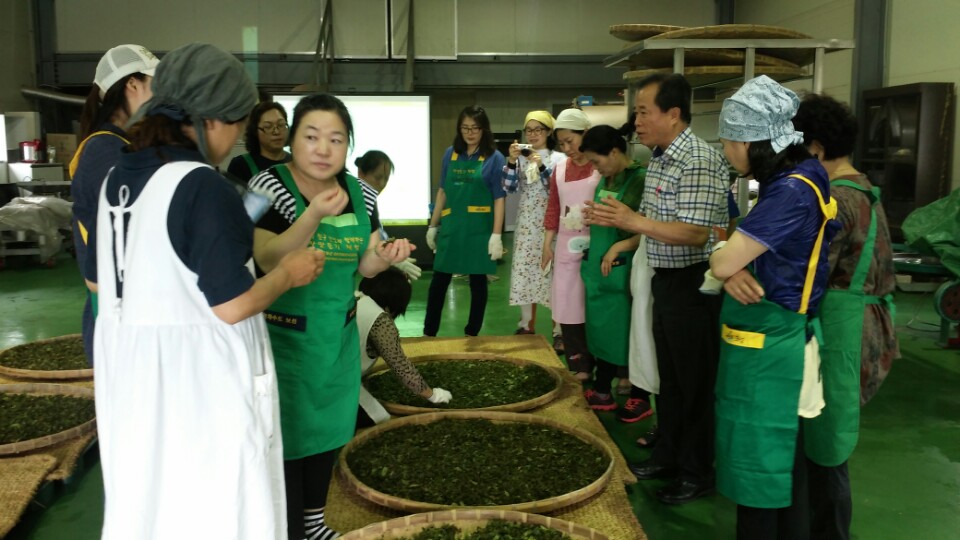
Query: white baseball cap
x=121, y=61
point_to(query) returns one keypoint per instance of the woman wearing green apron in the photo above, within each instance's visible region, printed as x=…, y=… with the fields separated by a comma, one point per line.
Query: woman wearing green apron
x=264, y=139
x=467, y=219
x=313, y=329
x=768, y=372
x=606, y=267
x=856, y=314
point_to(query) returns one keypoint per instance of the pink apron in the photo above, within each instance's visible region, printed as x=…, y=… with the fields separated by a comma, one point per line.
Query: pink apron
x=566, y=294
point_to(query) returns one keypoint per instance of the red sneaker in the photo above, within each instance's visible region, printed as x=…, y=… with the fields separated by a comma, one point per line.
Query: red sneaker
x=634, y=410
x=599, y=403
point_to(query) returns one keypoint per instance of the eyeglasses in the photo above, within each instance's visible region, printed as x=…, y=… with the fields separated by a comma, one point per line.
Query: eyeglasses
x=272, y=128
x=470, y=129
x=534, y=131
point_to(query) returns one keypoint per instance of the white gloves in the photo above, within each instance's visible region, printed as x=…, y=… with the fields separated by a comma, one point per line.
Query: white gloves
x=409, y=268
x=432, y=238
x=711, y=285
x=495, y=247
x=440, y=396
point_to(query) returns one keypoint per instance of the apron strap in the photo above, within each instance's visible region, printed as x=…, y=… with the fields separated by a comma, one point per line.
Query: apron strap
x=75, y=162
x=829, y=212
x=251, y=164
x=866, y=255
x=454, y=156
x=284, y=172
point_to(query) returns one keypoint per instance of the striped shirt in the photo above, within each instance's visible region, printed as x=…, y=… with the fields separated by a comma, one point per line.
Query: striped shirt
x=686, y=183
x=370, y=200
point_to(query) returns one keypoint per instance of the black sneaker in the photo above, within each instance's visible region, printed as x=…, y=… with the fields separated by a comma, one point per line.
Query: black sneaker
x=558, y=345
x=634, y=410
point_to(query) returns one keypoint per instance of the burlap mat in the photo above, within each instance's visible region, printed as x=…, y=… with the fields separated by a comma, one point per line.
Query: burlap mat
x=19, y=479
x=20, y=476
x=609, y=512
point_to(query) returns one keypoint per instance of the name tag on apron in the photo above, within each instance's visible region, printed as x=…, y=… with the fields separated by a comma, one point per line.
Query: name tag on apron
x=742, y=338
x=286, y=320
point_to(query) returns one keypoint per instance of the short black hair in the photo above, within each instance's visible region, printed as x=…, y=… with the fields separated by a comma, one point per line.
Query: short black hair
x=372, y=160
x=251, y=139
x=765, y=162
x=390, y=289
x=673, y=91
x=322, y=102
x=823, y=119
x=487, y=145
x=603, y=139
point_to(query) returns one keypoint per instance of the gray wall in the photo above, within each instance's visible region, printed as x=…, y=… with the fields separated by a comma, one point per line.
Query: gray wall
x=16, y=55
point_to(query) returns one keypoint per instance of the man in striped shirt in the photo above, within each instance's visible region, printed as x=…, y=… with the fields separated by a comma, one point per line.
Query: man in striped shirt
x=685, y=198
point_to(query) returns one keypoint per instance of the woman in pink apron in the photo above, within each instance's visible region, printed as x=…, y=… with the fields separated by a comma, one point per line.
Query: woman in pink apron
x=572, y=183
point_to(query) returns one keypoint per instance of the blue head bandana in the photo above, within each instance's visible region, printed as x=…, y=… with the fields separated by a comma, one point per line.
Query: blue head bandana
x=761, y=110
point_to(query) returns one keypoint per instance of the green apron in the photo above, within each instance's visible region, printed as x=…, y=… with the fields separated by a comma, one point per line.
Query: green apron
x=607, y=299
x=313, y=331
x=251, y=164
x=758, y=391
x=466, y=222
x=830, y=438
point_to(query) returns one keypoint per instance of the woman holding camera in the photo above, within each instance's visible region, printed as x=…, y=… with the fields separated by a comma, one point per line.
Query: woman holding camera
x=527, y=172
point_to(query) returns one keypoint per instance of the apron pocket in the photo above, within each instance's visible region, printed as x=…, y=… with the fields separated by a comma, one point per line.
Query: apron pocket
x=264, y=397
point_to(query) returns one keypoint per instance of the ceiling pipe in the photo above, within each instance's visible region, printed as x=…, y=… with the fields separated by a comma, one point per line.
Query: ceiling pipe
x=53, y=95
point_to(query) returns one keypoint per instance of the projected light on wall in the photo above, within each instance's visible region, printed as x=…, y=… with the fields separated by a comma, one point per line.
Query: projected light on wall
x=400, y=127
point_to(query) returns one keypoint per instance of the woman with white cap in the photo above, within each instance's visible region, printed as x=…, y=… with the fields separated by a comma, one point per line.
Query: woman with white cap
x=120, y=86
x=768, y=373
x=572, y=182
x=186, y=395
x=528, y=172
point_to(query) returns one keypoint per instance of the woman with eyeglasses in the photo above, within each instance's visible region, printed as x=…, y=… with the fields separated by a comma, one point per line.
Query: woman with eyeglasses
x=467, y=218
x=264, y=138
x=528, y=172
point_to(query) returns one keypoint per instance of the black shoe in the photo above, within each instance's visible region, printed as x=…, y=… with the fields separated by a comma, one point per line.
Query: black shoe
x=648, y=470
x=684, y=491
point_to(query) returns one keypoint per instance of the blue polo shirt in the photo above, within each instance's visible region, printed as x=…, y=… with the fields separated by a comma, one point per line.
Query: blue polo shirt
x=786, y=220
x=207, y=223
x=492, y=170
x=99, y=154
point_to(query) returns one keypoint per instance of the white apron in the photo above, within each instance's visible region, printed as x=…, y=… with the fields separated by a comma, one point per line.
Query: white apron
x=367, y=313
x=566, y=293
x=187, y=406
x=643, y=353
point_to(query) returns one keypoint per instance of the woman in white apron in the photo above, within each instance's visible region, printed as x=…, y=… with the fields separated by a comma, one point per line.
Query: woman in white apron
x=186, y=396
x=528, y=172
x=380, y=300
x=573, y=182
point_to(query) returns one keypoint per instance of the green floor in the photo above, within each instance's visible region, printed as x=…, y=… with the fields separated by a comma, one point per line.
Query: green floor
x=905, y=472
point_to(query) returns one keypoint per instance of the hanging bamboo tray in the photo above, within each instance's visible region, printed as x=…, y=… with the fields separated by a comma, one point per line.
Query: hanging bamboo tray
x=800, y=57
x=660, y=58
x=467, y=521
x=399, y=409
x=638, y=32
x=540, y=506
x=54, y=438
x=47, y=375
x=708, y=75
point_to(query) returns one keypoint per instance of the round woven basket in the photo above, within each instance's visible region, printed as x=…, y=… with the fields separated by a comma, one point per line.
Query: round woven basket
x=44, y=389
x=406, y=410
x=658, y=58
x=708, y=75
x=638, y=32
x=49, y=375
x=407, y=505
x=467, y=521
x=800, y=57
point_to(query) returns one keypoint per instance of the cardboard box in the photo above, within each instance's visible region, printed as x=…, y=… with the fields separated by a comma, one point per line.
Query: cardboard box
x=66, y=145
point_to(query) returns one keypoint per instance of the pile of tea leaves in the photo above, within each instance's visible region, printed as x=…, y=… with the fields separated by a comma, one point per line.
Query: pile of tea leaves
x=474, y=384
x=474, y=462
x=25, y=416
x=496, y=529
x=60, y=355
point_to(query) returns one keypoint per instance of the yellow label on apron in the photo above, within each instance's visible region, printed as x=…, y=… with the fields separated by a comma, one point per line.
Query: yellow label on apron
x=742, y=338
x=478, y=209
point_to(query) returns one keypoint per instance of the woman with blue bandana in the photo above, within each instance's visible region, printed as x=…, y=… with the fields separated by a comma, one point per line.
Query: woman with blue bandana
x=768, y=372
x=186, y=396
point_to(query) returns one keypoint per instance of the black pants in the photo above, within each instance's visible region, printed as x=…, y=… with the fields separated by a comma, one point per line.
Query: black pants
x=790, y=523
x=605, y=374
x=87, y=329
x=308, y=480
x=831, y=506
x=575, y=343
x=686, y=332
x=437, y=294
